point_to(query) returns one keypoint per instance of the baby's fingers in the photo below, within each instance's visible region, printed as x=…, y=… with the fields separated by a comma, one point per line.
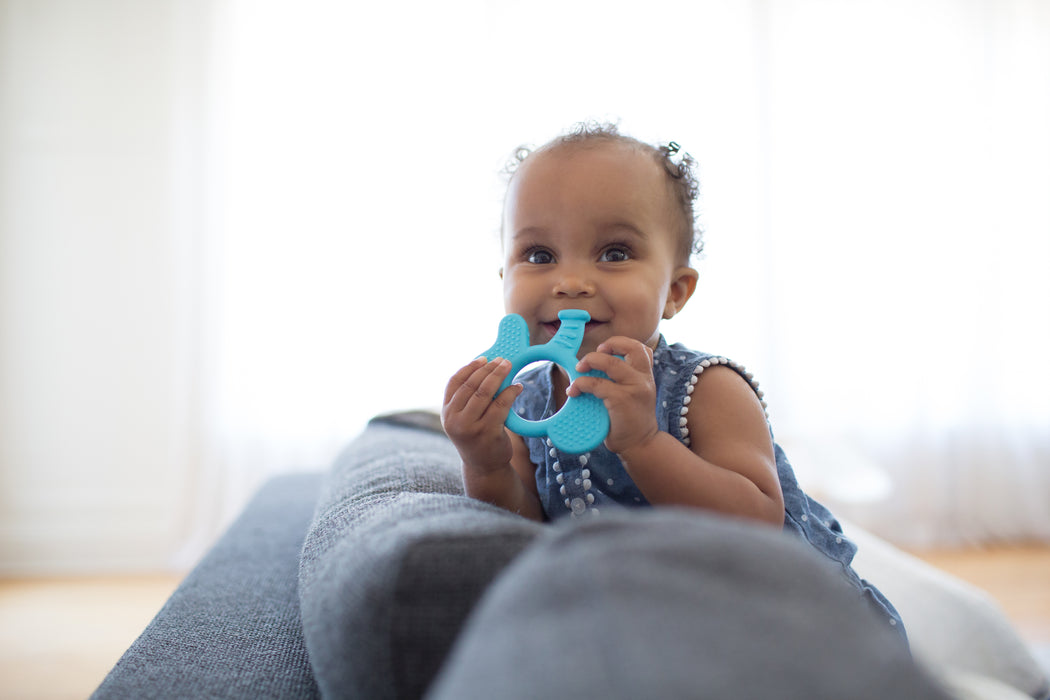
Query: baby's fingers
x=587, y=384
x=505, y=400
x=635, y=354
x=475, y=393
x=460, y=377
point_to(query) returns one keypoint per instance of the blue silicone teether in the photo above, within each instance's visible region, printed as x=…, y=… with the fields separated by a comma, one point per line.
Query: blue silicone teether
x=582, y=423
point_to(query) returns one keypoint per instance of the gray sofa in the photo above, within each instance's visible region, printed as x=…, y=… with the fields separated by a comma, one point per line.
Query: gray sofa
x=380, y=579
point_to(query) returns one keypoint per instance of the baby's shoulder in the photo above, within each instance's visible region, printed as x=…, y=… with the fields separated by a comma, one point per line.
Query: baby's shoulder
x=673, y=361
x=682, y=366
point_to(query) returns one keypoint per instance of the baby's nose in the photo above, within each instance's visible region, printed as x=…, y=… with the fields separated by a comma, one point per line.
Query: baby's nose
x=574, y=283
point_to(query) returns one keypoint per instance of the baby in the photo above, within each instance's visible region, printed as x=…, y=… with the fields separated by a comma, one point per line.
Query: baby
x=599, y=221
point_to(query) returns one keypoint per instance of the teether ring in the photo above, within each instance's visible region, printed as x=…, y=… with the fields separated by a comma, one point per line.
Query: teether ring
x=583, y=422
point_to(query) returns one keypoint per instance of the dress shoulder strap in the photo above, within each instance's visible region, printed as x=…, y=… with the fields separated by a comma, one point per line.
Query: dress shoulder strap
x=677, y=369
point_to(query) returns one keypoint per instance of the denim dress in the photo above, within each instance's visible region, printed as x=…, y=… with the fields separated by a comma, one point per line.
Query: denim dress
x=584, y=485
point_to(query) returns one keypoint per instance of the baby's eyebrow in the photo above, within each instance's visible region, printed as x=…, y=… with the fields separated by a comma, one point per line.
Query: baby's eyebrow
x=528, y=231
x=624, y=227
x=617, y=228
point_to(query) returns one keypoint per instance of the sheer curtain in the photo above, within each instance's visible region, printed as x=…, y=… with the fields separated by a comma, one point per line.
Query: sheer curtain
x=875, y=183
x=908, y=243
x=907, y=237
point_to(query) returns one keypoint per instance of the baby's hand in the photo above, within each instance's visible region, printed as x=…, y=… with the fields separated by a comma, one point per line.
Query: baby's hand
x=629, y=394
x=474, y=420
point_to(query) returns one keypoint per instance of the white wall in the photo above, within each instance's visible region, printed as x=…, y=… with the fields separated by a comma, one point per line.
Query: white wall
x=97, y=229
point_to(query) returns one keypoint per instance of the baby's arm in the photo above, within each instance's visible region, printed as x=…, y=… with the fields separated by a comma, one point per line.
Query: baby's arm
x=496, y=466
x=729, y=467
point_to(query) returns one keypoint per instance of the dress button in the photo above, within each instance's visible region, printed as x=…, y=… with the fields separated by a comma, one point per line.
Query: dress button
x=578, y=506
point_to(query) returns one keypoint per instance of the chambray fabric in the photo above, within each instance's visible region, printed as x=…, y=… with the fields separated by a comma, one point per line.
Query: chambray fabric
x=588, y=484
x=232, y=628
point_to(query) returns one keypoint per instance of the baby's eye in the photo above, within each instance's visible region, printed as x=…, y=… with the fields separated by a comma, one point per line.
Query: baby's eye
x=616, y=254
x=540, y=257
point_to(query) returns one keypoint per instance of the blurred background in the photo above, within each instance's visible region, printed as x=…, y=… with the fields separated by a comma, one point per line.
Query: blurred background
x=233, y=231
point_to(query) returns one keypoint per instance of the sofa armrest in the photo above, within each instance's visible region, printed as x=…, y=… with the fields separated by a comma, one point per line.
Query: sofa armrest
x=232, y=628
x=394, y=561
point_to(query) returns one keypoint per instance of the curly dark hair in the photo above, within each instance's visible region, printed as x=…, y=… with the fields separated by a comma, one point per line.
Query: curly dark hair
x=679, y=166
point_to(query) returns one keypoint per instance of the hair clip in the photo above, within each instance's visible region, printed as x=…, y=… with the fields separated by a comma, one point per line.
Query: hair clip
x=676, y=156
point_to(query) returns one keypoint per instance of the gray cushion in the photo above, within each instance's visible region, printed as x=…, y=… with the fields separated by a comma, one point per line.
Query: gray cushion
x=664, y=603
x=394, y=561
x=232, y=628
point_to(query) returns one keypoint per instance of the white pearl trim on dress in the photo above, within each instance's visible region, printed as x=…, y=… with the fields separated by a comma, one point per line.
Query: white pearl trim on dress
x=714, y=362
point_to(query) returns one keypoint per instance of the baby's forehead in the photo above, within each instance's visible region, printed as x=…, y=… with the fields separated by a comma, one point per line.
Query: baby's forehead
x=602, y=183
x=600, y=159
x=626, y=152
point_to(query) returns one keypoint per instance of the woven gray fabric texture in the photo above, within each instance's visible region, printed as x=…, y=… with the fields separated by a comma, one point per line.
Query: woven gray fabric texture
x=394, y=561
x=675, y=604
x=232, y=628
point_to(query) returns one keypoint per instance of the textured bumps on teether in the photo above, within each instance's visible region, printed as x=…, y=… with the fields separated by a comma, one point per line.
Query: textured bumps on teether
x=583, y=422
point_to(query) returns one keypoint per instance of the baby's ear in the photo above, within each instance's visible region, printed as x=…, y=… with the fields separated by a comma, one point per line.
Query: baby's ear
x=683, y=284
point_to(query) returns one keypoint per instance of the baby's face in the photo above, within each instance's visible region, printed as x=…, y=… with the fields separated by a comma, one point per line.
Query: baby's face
x=592, y=228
